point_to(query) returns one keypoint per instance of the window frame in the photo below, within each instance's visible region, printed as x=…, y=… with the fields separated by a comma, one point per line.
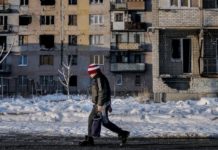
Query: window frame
x=46, y=20
x=118, y=17
x=23, y=40
x=96, y=39
x=46, y=60
x=72, y=40
x=23, y=60
x=98, y=59
x=24, y=2
x=93, y=2
x=44, y=80
x=22, y=80
x=72, y=20
x=71, y=2
x=179, y=4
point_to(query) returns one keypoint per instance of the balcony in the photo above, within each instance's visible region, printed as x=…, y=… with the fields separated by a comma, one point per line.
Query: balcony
x=5, y=69
x=210, y=17
x=8, y=8
x=135, y=26
x=127, y=67
x=136, y=5
x=8, y=29
x=129, y=46
x=118, y=6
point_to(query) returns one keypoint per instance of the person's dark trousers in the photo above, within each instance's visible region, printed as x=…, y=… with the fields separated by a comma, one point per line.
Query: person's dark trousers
x=105, y=121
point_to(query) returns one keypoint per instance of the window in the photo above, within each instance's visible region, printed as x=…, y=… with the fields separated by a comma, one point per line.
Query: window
x=97, y=59
x=181, y=52
x=72, y=20
x=73, y=81
x=47, y=2
x=137, y=80
x=24, y=2
x=46, y=80
x=46, y=60
x=120, y=1
x=46, y=41
x=25, y=20
x=23, y=40
x=137, y=38
x=96, y=19
x=22, y=80
x=47, y=20
x=119, y=79
x=72, y=2
x=96, y=39
x=180, y=3
x=3, y=42
x=72, y=40
x=96, y=1
x=23, y=60
x=119, y=17
x=3, y=21
x=73, y=59
x=210, y=3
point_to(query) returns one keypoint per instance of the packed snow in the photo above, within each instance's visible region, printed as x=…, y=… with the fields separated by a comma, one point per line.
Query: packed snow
x=57, y=115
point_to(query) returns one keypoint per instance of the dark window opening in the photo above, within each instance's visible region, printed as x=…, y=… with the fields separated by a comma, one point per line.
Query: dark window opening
x=25, y=20
x=3, y=42
x=72, y=40
x=126, y=57
x=47, y=41
x=186, y=55
x=176, y=49
x=73, y=81
x=72, y=2
x=210, y=3
x=72, y=59
x=24, y=2
x=47, y=2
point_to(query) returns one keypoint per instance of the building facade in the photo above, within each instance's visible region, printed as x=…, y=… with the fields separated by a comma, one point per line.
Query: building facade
x=185, y=47
x=45, y=34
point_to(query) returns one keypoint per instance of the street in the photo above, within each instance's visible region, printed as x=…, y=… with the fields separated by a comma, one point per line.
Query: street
x=38, y=142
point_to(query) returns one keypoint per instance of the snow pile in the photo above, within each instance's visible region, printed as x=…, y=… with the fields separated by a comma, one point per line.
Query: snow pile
x=57, y=115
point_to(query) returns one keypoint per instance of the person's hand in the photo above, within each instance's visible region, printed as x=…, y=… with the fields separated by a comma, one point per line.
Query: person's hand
x=100, y=108
x=110, y=109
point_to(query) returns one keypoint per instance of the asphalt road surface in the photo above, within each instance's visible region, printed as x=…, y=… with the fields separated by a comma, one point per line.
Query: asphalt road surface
x=37, y=142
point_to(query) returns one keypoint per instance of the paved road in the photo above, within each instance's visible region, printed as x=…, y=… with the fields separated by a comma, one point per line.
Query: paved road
x=30, y=142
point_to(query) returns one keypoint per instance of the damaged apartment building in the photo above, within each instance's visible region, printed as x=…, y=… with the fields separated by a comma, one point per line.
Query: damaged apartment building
x=45, y=34
x=185, y=48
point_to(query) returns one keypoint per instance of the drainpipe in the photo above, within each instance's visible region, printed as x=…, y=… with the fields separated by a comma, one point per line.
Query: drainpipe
x=62, y=31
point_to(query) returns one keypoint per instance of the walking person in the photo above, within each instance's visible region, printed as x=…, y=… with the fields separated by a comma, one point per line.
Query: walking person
x=101, y=98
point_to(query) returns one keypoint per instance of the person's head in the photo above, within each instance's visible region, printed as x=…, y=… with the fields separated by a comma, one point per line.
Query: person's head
x=93, y=70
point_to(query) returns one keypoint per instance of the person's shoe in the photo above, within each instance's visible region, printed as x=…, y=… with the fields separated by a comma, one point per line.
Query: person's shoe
x=123, y=136
x=87, y=142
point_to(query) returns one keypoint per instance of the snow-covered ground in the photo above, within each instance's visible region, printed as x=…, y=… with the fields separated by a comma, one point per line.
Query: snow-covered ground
x=55, y=115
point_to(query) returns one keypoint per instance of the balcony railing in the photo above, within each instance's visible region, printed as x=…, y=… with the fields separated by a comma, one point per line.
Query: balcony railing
x=5, y=68
x=8, y=28
x=135, y=26
x=8, y=8
x=118, y=6
x=128, y=46
x=127, y=67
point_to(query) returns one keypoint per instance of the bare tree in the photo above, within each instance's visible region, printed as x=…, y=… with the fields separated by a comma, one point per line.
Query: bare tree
x=4, y=55
x=66, y=73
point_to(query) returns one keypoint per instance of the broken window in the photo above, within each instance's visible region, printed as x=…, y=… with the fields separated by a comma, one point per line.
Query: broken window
x=23, y=40
x=210, y=3
x=72, y=40
x=3, y=23
x=23, y=60
x=72, y=59
x=46, y=60
x=47, y=20
x=47, y=41
x=24, y=2
x=137, y=80
x=96, y=39
x=181, y=51
x=73, y=81
x=72, y=2
x=72, y=20
x=95, y=1
x=47, y=2
x=97, y=59
x=118, y=17
x=3, y=42
x=25, y=20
